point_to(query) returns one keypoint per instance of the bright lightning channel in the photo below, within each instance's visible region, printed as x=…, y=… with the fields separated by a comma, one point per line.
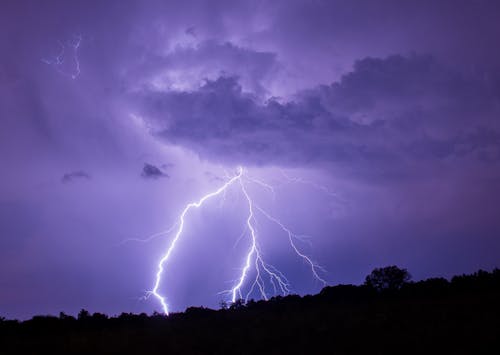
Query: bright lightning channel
x=253, y=257
x=178, y=234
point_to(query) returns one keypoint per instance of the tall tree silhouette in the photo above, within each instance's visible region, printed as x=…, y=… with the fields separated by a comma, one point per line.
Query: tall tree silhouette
x=388, y=278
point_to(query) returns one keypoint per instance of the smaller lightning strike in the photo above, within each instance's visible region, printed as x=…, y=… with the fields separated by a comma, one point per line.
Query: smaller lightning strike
x=337, y=203
x=315, y=185
x=58, y=62
x=291, y=236
x=238, y=240
x=76, y=46
x=59, y=59
x=150, y=238
x=263, y=184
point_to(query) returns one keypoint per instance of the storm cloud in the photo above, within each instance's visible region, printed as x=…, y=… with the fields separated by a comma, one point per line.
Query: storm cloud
x=75, y=176
x=150, y=171
x=389, y=111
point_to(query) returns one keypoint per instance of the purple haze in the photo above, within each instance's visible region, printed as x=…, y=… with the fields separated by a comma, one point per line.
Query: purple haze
x=116, y=114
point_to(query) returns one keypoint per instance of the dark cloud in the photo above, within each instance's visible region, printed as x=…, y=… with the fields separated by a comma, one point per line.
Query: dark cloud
x=385, y=111
x=74, y=176
x=150, y=171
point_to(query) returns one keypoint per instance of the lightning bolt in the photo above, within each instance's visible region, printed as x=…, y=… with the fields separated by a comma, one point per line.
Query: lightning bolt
x=275, y=276
x=253, y=261
x=58, y=61
x=179, y=232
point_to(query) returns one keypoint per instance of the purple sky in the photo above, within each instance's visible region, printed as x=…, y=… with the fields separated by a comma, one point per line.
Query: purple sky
x=386, y=112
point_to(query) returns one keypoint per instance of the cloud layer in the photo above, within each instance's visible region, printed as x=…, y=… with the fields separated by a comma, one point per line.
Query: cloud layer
x=390, y=111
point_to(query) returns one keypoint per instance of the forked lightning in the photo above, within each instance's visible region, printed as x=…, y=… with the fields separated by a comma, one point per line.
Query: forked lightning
x=253, y=260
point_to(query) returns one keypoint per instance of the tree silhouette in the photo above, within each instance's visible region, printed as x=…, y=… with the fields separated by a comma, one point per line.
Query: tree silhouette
x=428, y=316
x=388, y=278
x=223, y=305
x=83, y=314
x=238, y=304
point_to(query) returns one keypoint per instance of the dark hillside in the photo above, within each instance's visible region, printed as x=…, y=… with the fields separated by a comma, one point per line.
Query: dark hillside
x=431, y=316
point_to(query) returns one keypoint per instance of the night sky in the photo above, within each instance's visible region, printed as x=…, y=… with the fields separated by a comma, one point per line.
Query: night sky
x=377, y=123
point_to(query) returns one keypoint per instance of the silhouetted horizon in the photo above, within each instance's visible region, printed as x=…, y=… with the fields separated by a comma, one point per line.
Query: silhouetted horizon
x=388, y=312
x=433, y=281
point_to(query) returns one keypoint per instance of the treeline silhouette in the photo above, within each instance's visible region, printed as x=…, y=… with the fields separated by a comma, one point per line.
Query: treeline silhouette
x=388, y=314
